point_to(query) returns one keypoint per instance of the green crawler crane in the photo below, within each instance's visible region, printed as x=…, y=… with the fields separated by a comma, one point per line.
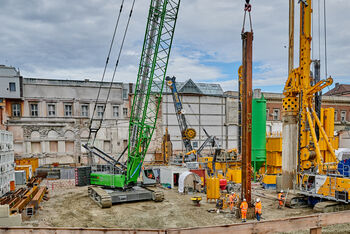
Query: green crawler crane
x=121, y=186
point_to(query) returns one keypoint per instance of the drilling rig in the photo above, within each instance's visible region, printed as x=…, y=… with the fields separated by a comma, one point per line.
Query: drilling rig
x=315, y=174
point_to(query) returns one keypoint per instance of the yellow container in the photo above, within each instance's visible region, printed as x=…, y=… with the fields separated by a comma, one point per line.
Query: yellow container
x=269, y=179
x=234, y=175
x=274, y=159
x=213, y=188
x=273, y=170
x=274, y=144
x=34, y=162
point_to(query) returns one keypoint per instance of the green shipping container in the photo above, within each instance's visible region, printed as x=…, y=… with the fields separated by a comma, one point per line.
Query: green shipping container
x=258, y=133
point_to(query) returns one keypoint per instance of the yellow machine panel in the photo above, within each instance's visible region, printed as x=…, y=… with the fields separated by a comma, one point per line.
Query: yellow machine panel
x=213, y=188
x=334, y=187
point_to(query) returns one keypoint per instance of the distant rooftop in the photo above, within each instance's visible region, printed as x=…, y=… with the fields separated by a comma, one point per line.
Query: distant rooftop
x=6, y=71
x=339, y=90
x=191, y=87
x=59, y=82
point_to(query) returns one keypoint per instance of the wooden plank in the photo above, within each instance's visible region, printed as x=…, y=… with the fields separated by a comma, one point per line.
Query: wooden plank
x=272, y=226
x=317, y=230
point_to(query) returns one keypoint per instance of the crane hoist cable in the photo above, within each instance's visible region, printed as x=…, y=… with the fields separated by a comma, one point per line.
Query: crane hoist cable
x=118, y=58
x=106, y=64
x=115, y=69
x=247, y=8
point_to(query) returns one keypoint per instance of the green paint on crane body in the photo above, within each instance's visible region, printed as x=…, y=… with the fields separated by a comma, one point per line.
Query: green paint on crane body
x=109, y=180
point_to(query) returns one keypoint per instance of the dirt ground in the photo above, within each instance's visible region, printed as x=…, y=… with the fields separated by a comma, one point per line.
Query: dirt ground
x=73, y=208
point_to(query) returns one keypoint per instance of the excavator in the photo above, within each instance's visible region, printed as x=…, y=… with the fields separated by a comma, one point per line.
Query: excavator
x=318, y=178
x=121, y=183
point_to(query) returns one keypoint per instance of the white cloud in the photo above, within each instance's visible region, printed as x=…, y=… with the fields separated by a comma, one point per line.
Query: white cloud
x=186, y=67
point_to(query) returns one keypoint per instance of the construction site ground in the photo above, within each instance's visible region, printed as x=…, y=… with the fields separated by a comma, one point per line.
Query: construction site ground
x=71, y=207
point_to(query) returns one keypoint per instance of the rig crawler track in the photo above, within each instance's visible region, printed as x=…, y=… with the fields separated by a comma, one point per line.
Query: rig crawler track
x=105, y=198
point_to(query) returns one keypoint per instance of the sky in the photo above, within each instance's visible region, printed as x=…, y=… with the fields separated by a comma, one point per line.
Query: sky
x=70, y=39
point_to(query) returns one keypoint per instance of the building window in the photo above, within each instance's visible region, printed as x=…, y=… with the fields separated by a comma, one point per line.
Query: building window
x=16, y=110
x=69, y=145
x=85, y=110
x=34, y=110
x=51, y=109
x=12, y=87
x=276, y=114
x=343, y=116
x=116, y=111
x=35, y=147
x=335, y=116
x=267, y=114
x=125, y=93
x=53, y=146
x=100, y=110
x=68, y=109
x=125, y=112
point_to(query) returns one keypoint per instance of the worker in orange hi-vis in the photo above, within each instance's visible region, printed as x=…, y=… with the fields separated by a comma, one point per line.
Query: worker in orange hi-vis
x=281, y=198
x=244, y=209
x=258, y=209
x=232, y=198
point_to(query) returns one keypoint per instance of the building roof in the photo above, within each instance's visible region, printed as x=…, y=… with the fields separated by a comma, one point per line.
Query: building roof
x=6, y=71
x=61, y=82
x=191, y=87
x=339, y=90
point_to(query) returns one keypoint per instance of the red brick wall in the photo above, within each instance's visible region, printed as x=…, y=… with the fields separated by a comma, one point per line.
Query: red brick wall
x=339, y=108
x=270, y=106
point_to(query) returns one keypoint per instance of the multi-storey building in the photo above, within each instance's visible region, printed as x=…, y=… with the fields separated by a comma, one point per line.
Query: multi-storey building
x=49, y=118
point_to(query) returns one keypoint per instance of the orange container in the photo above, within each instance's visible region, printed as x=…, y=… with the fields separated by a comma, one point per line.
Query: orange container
x=12, y=186
x=34, y=162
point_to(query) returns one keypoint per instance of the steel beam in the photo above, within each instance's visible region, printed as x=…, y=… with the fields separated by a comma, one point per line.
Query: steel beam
x=247, y=95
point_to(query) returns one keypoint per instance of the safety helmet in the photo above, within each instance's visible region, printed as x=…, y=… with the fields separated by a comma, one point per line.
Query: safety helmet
x=244, y=199
x=258, y=200
x=281, y=191
x=232, y=192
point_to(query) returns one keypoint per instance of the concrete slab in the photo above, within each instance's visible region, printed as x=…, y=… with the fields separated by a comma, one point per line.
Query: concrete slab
x=4, y=211
x=13, y=220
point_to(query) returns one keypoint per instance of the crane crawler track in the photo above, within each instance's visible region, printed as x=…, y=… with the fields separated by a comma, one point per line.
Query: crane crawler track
x=100, y=197
x=158, y=196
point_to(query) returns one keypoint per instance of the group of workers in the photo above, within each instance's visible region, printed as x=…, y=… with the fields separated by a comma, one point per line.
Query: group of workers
x=258, y=207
